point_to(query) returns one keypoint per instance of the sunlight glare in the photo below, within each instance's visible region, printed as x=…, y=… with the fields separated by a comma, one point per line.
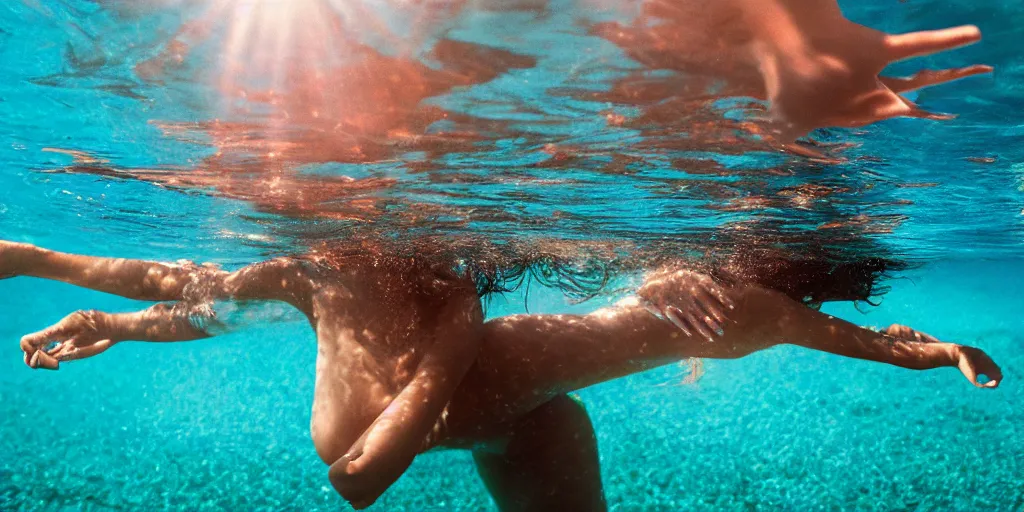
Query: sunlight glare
x=268, y=44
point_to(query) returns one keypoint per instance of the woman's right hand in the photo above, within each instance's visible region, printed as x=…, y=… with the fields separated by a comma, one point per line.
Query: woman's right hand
x=692, y=301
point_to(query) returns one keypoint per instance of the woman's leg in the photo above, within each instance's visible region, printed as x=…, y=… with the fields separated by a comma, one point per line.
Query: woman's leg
x=549, y=463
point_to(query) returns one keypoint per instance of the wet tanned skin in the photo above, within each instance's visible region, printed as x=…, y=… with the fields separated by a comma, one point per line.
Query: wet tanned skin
x=391, y=363
x=388, y=360
x=401, y=372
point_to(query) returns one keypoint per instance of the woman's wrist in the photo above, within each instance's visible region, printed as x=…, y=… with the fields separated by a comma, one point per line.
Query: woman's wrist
x=109, y=326
x=952, y=353
x=26, y=257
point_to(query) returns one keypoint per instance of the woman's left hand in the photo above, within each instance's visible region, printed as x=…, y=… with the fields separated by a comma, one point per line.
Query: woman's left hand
x=77, y=336
x=692, y=301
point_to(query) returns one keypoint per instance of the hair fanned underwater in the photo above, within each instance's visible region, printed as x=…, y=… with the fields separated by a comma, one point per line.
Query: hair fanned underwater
x=800, y=265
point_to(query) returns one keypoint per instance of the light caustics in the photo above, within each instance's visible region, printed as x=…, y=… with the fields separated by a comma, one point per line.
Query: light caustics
x=266, y=43
x=305, y=81
x=270, y=44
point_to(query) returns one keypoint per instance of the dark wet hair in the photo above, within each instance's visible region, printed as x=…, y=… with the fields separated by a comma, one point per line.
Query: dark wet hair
x=582, y=270
x=579, y=270
x=812, y=277
x=578, y=275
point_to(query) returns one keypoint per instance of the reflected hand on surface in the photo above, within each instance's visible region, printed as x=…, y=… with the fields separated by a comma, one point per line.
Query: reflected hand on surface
x=692, y=301
x=821, y=69
x=815, y=68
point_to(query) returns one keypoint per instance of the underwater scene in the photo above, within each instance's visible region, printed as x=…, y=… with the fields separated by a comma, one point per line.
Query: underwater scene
x=511, y=255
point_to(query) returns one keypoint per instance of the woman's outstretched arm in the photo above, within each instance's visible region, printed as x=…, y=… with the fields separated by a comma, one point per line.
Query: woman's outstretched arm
x=134, y=279
x=85, y=334
x=526, y=359
x=766, y=318
x=898, y=346
x=284, y=279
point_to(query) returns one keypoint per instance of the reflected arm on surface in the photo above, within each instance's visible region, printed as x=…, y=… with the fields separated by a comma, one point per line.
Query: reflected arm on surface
x=820, y=69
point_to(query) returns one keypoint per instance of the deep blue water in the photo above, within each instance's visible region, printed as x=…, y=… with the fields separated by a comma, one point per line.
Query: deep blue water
x=223, y=424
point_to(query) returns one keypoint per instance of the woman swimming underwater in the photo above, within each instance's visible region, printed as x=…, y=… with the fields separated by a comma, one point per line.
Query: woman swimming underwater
x=406, y=362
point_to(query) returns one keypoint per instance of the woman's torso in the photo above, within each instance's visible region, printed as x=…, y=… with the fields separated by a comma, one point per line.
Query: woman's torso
x=373, y=323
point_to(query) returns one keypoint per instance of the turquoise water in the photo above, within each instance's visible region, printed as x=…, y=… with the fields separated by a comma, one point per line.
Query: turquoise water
x=223, y=424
